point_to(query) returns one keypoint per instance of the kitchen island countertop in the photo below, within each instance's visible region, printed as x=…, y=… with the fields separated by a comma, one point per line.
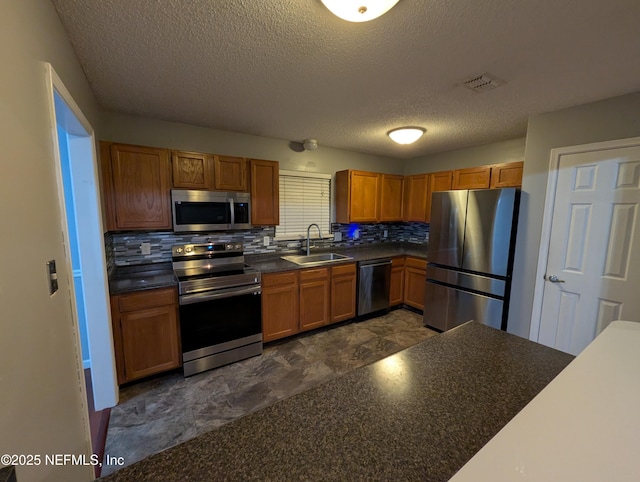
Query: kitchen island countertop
x=420, y=414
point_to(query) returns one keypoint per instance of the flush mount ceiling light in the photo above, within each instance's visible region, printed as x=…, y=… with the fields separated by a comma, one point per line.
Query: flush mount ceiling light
x=406, y=135
x=310, y=144
x=359, y=10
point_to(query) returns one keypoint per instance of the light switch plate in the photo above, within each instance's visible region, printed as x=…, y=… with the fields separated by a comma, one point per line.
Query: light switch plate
x=337, y=236
x=53, y=276
x=385, y=233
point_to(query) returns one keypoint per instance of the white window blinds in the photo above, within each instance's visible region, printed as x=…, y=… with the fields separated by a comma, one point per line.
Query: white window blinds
x=305, y=198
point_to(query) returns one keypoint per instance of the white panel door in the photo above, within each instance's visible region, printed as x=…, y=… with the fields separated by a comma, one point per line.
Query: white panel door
x=593, y=266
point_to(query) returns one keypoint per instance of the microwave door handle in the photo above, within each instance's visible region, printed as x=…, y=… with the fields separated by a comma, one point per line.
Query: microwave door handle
x=233, y=211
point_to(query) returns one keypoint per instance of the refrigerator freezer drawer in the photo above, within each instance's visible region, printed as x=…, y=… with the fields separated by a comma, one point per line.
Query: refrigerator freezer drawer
x=475, y=282
x=446, y=308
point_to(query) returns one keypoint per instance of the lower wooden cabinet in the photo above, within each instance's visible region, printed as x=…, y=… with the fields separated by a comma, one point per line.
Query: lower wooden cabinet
x=415, y=273
x=343, y=292
x=396, y=290
x=314, y=298
x=146, y=333
x=279, y=305
x=300, y=300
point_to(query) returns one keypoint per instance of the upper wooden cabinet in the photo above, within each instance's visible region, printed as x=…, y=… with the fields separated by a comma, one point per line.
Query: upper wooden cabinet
x=265, y=192
x=472, y=178
x=192, y=170
x=507, y=175
x=441, y=181
x=357, y=196
x=417, y=198
x=391, y=193
x=136, y=186
x=230, y=173
x=195, y=170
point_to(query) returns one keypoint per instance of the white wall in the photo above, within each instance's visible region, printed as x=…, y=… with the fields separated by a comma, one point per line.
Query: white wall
x=42, y=409
x=615, y=118
x=496, y=153
x=157, y=133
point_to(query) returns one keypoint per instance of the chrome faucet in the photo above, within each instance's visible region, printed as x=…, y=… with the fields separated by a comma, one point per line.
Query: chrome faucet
x=308, y=241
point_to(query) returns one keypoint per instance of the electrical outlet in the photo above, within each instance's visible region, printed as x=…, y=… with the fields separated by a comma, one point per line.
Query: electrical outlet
x=337, y=236
x=145, y=248
x=385, y=233
x=356, y=234
x=266, y=240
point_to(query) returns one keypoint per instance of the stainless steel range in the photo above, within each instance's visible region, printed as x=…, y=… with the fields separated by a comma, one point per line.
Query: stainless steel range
x=220, y=305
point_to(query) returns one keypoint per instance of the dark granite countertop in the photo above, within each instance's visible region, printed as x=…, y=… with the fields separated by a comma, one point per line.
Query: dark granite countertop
x=273, y=262
x=8, y=474
x=124, y=279
x=420, y=414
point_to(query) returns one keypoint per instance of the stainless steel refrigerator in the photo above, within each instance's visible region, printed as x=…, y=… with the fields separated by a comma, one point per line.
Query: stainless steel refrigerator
x=470, y=257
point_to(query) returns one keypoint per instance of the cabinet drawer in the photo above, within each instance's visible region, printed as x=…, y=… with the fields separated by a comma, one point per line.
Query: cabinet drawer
x=147, y=299
x=314, y=274
x=397, y=262
x=416, y=263
x=276, y=279
x=345, y=269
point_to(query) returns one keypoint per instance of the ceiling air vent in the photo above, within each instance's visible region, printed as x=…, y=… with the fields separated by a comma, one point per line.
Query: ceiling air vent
x=481, y=83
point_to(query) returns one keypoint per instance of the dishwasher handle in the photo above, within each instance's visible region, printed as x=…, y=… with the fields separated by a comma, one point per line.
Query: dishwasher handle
x=374, y=263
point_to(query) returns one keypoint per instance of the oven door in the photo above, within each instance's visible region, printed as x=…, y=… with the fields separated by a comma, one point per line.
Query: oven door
x=213, y=322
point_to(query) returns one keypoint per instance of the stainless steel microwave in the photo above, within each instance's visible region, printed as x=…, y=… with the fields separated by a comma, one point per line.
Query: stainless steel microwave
x=210, y=211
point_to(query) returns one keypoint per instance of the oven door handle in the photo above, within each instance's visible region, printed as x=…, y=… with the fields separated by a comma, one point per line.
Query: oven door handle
x=219, y=294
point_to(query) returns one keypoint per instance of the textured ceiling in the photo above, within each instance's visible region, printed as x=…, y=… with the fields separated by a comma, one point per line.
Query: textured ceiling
x=291, y=70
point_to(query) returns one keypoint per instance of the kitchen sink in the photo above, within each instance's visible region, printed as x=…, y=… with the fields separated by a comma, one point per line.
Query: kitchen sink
x=316, y=259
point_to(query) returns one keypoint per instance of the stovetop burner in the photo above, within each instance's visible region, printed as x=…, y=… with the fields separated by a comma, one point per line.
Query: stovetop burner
x=211, y=266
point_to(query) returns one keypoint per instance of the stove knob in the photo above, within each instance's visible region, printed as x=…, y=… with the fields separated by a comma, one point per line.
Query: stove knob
x=238, y=246
x=188, y=249
x=179, y=250
x=228, y=247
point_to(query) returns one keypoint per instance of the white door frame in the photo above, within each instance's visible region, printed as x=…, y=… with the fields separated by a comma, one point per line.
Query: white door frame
x=99, y=332
x=547, y=220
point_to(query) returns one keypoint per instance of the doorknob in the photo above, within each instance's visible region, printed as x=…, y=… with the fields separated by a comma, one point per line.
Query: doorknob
x=554, y=279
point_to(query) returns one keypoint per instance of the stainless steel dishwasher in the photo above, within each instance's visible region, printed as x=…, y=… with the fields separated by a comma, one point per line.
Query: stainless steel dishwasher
x=374, y=279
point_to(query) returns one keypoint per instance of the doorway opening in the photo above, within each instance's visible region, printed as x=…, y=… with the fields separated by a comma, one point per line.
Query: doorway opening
x=82, y=232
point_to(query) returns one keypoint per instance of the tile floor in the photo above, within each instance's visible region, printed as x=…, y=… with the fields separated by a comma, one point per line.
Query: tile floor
x=157, y=414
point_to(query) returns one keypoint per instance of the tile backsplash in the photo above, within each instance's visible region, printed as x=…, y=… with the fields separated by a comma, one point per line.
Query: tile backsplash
x=124, y=249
